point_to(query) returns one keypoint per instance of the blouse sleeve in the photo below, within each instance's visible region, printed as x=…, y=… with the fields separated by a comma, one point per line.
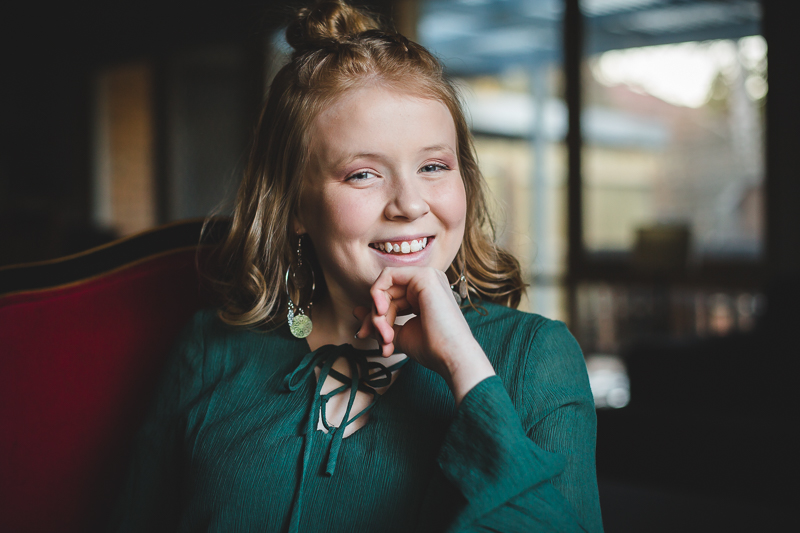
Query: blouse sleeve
x=522, y=472
x=150, y=499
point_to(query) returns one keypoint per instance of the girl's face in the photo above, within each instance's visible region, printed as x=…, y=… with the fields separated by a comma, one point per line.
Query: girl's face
x=383, y=173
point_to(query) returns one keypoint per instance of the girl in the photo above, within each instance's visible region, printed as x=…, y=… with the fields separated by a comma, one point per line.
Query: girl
x=367, y=370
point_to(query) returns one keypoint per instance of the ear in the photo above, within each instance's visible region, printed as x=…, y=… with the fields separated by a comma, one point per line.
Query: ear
x=297, y=225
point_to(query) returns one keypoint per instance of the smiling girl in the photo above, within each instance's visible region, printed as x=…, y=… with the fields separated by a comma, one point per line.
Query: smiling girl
x=367, y=371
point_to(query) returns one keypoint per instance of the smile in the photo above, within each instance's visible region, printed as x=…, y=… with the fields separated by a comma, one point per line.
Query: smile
x=401, y=247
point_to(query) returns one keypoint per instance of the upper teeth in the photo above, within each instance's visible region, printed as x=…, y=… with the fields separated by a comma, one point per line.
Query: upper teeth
x=403, y=247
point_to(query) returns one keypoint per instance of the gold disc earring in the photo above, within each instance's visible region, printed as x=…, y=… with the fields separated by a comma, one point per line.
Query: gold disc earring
x=299, y=320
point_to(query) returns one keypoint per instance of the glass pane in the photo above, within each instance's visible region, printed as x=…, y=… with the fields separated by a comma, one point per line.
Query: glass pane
x=673, y=123
x=506, y=56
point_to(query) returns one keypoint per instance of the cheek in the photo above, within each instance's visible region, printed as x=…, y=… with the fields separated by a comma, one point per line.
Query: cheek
x=452, y=203
x=337, y=218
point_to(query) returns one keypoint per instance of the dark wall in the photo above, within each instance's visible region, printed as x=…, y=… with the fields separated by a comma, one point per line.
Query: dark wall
x=52, y=56
x=783, y=139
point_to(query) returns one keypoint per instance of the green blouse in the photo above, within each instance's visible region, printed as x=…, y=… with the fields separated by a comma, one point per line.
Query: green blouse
x=229, y=445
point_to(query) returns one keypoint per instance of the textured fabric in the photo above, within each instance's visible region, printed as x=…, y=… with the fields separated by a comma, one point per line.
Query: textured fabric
x=223, y=448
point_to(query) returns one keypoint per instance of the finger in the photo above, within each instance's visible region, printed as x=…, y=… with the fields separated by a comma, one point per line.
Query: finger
x=374, y=323
x=387, y=346
x=399, y=301
x=387, y=350
x=383, y=295
x=400, y=307
x=412, y=326
x=411, y=280
x=383, y=324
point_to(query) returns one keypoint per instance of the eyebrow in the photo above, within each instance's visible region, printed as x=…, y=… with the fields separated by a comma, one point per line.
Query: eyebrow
x=438, y=148
x=346, y=160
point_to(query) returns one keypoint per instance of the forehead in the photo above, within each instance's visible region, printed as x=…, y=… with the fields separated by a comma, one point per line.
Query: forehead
x=377, y=119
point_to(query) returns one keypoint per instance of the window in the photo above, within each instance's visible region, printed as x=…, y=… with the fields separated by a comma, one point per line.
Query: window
x=673, y=124
x=665, y=224
x=507, y=57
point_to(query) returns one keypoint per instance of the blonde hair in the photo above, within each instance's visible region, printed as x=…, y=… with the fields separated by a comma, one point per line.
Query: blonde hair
x=336, y=48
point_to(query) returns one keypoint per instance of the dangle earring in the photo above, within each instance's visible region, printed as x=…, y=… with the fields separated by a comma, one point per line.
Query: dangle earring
x=299, y=322
x=459, y=288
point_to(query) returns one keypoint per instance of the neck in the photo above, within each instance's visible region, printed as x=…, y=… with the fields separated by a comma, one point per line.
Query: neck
x=334, y=323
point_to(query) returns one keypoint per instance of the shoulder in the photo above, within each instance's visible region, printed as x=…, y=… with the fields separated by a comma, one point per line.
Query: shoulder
x=206, y=341
x=206, y=327
x=513, y=330
x=202, y=332
x=538, y=359
x=498, y=322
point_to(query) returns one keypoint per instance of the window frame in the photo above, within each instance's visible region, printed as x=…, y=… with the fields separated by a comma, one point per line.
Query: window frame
x=585, y=266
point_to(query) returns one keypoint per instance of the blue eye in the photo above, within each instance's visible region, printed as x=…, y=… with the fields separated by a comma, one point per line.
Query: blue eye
x=433, y=167
x=360, y=176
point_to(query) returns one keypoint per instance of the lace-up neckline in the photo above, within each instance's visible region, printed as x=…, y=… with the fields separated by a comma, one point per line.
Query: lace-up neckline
x=365, y=376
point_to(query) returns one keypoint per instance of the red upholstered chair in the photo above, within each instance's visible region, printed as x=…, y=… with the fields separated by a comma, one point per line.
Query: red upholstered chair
x=82, y=340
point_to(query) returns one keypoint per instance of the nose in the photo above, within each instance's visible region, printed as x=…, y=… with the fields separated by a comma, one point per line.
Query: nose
x=407, y=201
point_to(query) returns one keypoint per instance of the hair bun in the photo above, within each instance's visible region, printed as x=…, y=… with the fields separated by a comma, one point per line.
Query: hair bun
x=326, y=21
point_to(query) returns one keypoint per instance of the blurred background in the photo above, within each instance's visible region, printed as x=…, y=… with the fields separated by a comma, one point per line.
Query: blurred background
x=641, y=155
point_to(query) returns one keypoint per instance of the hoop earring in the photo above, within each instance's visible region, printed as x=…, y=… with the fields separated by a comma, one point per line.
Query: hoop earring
x=299, y=322
x=459, y=288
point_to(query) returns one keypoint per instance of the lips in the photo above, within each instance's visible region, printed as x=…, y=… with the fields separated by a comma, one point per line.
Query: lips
x=401, y=247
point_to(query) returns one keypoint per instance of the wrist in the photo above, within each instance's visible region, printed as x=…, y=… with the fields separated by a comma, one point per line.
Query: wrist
x=467, y=369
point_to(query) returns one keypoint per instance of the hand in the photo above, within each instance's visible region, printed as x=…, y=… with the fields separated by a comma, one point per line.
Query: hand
x=438, y=337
